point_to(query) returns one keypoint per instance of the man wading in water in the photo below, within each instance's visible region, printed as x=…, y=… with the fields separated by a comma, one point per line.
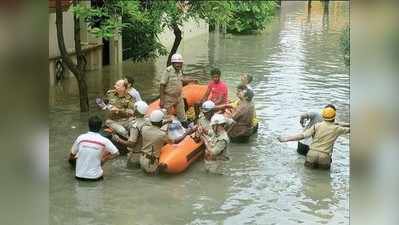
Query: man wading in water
x=324, y=135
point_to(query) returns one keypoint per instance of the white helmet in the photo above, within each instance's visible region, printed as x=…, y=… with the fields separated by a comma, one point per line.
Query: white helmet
x=207, y=106
x=156, y=116
x=177, y=58
x=218, y=119
x=141, y=107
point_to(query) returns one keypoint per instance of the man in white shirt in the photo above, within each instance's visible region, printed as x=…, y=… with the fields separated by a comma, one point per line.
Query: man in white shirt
x=91, y=150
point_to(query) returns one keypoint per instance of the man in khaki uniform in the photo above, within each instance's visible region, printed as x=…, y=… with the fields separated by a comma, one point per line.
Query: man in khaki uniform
x=216, y=142
x=135, y=141
x=324, y=135
x=121, y=110
x=171, y=88
x=204, y=119
x=154, y=137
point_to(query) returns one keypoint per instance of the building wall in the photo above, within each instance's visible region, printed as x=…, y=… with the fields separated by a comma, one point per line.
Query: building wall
x=68, y=33
x=190, y=30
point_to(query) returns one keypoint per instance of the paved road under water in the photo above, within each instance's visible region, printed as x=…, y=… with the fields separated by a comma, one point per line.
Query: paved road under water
x=297, y=66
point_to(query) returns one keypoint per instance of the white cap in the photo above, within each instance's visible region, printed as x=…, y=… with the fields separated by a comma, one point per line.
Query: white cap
x=177, y=58
x=207, y=106
x=217, y=119
x=141, y=107
x=156, y=116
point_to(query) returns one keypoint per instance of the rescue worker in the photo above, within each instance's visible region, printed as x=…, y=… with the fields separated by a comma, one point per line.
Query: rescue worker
x=217, y=90
x=171, y=85
x=121, y=111
x=154, y=137
x=307, y=120
x=204, y=119
x=88, y=151
x=242, y=128
x=216, y=143
x=135, y=141
x=324, y=135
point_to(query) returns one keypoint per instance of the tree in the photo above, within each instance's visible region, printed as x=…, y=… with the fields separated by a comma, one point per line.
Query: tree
x=250, y=16
x=78, y=68
x=175, y=13
x=103, y=22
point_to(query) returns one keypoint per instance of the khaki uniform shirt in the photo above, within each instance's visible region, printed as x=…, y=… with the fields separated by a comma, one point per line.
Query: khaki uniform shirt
x=216, y=145
x=124, y=103
x=203, y=122
x=136, y=131
x=324, y=135
x=243, y=117
x=154, y=139
x=173, y=84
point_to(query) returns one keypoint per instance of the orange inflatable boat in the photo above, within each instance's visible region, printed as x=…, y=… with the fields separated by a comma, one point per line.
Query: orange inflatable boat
x=175, y=158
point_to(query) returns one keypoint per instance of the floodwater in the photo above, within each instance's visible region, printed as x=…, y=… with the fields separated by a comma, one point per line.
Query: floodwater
x=297, y=67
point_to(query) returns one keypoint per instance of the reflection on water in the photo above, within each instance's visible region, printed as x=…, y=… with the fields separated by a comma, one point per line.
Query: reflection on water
x=297, y=66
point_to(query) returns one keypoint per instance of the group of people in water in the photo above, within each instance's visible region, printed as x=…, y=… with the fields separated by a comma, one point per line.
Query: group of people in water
x=215, y=121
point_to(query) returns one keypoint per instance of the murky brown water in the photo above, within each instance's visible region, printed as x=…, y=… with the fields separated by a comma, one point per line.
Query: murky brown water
x=297, y=66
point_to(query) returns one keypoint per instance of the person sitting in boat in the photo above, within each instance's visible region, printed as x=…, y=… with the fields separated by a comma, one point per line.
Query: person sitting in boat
x=176, y=131
x=135, y=141
x=132, y=91
x=88, y=152
x=246, y=80
x=323, y=136
x=217, y=89
x=216, y=143
x=204, y=119
x=241, y=126
x=121, y=108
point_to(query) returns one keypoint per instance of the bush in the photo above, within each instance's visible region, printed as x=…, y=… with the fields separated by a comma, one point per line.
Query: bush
x=250, y=16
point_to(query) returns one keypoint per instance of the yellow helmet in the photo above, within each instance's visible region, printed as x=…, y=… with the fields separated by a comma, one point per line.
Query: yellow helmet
x=328, y=114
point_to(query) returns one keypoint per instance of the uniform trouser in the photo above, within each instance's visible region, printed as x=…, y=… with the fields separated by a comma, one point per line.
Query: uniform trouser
x=120, y=127
x=149, y=165
x=214, y=166
x=178, y=103
x=315, y=159
x=133, y=159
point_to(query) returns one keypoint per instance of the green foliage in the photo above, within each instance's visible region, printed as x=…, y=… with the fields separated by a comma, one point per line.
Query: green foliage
x=345, y=43
x=141, y=25
x=140, y=37
x=250, y=16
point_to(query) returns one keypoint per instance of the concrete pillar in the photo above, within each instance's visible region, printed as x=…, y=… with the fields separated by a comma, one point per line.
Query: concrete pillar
x=115, y=46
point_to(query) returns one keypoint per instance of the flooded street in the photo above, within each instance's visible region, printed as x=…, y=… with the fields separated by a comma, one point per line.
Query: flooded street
x=297, y=65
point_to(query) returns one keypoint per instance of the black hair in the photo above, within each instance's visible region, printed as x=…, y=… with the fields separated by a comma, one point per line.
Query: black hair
x=242, y=87
x=130, y=80
x=215, y=71
x=157, y=124
x=330, y=106
x=95, y=124
x=248, y=94
x=249, y=78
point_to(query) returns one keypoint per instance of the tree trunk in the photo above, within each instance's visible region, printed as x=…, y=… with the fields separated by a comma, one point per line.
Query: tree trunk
x=176, y=43
x=77, y=70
